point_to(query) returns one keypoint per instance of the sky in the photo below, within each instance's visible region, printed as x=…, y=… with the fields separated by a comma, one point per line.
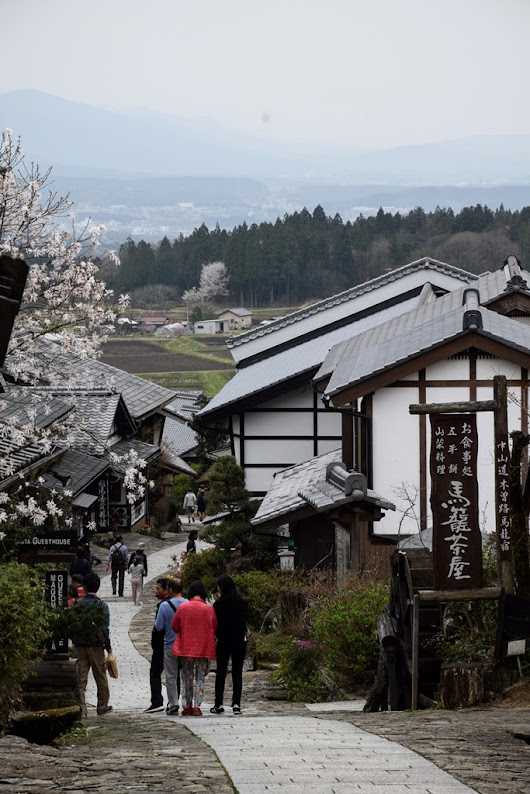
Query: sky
x=362, y=73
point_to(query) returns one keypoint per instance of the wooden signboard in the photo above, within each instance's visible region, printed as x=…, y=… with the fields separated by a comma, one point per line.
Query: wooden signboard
x=56, y=596
x=456, y=543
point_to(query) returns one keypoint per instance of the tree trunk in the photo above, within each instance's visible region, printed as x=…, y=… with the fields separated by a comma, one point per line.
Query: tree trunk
x=461, y=685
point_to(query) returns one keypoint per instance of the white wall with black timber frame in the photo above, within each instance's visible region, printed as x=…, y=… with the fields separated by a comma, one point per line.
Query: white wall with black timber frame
x=279, y=433
x=401, y=442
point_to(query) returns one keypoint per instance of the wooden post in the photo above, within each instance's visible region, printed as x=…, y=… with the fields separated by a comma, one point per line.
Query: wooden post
x=415, y=650
x=502, y=505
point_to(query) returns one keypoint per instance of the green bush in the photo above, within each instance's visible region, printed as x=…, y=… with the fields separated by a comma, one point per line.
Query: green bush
x=24, y=627
x=299, y=672
x=261, y=591
x=344, y=630
x=207, y=565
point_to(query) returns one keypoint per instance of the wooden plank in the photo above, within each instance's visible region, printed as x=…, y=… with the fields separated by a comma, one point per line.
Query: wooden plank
x=470, y=407
x=415, y=651
x=480, y=594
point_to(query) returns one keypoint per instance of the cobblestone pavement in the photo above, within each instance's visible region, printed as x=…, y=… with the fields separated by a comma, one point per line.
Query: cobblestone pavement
x=128, y=750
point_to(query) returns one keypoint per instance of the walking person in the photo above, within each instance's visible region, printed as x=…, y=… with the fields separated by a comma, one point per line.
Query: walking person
x=191, y=546
x=157, y=646
x=232, y=615
x=171, y=662
x=194, y=623
x=141, y=553
x=189, y=504
x=80, y=565
x=117, y=561
x=91, y=645
x=201, y=502
x=137, y=573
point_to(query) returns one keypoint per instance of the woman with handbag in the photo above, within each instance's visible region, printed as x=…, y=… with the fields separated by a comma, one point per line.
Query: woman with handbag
x=232, y=614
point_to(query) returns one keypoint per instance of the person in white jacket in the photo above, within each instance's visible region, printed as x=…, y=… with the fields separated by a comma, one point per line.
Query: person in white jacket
x=189, y=505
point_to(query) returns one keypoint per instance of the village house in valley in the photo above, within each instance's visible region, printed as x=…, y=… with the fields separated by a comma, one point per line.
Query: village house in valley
x=237, y=318
x=339, y=376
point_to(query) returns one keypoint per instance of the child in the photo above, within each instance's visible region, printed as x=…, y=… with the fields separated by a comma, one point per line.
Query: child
x=137, y=572
x=76, y=589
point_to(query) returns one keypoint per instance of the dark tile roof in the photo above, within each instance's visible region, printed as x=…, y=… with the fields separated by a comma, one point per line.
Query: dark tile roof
x=75, y=471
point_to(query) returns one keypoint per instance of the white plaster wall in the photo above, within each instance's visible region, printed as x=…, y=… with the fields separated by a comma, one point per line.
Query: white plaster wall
x=235, y=423
x=395, y=449
x=328, y=445
x=298, y=398
x=279, y=424
x=260, y=480
x=455, y=369
x=329, y=423
x=278, y=451
x=488, y=367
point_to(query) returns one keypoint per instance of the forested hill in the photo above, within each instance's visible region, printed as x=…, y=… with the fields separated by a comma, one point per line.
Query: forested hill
x=308, y=256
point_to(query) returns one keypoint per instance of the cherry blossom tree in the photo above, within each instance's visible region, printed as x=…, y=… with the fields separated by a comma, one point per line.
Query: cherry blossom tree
x=213, y=283
x=66, y=311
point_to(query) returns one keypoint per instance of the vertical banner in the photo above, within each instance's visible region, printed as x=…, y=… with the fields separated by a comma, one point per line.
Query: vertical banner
x=56, y=596
x=502, y=496
x=103, y=503
x=456, y=541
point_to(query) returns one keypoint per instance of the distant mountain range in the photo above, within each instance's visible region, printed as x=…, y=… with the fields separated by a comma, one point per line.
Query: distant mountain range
x=147, y=174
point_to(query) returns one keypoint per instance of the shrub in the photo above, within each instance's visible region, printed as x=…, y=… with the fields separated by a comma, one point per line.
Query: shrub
x=261, y=591
x=299, y=672
x=207, y=565
x=24, y=627
x=344, y=629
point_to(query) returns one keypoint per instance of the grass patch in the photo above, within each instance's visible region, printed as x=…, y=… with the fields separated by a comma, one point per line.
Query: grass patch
x=210, y=382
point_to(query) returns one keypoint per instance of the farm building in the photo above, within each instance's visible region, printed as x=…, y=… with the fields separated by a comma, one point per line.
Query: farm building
x=211, y=327
x=237, y=318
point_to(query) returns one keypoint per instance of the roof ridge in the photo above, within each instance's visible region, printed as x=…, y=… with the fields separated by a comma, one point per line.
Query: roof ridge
x=425, y=262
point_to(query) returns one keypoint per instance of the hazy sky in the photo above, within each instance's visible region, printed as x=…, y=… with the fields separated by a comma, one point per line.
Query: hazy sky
x=364, y=72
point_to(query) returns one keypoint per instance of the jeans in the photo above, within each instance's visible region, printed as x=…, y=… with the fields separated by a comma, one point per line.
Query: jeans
x=119, y=574
x=224, y=652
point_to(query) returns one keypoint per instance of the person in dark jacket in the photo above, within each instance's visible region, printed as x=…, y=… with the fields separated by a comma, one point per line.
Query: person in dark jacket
x=80, y=565
x=232, y=614
x=139, y=553
x=157, y=646
x=91, y=645
x=201, y=502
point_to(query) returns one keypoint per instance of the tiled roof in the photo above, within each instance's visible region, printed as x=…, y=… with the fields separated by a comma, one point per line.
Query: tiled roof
x=426, y=263
x=14, y=459
x=145, y=451
x=297, y=360
x=141, y=397
x=239, y=311
x=75, y=471
x=17, y=401
x=306, y=485
x=423, y=329
x=178, y=437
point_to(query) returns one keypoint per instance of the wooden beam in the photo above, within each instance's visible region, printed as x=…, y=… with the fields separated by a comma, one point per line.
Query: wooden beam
x=471, y=407
x=480, y=594
x=415, y=650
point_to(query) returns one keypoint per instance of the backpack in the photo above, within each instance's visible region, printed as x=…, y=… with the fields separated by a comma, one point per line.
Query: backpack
x=118, y=560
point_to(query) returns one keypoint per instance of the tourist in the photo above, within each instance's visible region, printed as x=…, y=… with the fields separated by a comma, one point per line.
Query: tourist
x=189, y=503
x=137, y=573
x=141, y=553
x=232, y=615
x=194, y=623
x=163, y=622
x=157, y=646
x=91, y=645
x=80, y=564
x=117, y=562
x=191, y=546
x=201, y=502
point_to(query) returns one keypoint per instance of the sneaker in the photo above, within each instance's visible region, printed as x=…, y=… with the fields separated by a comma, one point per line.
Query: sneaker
x=197, y=712
x=187, y=712
x=217, y=710
x=172, y=711
x=152, y=709
x=236, y=709
x=107, y=710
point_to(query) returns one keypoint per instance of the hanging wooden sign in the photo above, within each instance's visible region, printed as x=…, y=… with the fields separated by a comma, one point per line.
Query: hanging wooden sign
x=456, y=543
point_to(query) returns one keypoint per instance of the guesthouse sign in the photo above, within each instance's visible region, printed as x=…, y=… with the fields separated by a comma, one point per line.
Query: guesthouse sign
x=456, y=542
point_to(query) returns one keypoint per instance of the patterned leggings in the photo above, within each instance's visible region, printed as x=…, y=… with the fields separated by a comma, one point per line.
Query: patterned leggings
x=193, y=675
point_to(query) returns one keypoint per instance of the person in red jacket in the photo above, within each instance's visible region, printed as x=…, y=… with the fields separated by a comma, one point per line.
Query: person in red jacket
x=195, y=623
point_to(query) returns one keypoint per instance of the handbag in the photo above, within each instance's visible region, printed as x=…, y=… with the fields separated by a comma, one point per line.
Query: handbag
x=112, y=665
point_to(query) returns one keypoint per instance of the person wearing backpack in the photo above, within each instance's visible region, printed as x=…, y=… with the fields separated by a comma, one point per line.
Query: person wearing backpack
x=163, y=621
x=117, y=562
